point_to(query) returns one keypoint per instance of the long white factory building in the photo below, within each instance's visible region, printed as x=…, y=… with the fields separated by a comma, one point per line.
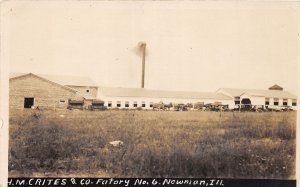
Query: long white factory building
x=32, y=90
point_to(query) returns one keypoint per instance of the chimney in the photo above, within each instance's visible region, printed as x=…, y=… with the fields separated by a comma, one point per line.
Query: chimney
x=143, y=48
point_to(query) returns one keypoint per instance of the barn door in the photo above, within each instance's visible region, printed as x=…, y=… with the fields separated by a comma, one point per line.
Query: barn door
x=28, y=102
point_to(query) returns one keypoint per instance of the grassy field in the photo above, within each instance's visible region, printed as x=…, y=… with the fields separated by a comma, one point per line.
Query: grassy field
x=156, y=144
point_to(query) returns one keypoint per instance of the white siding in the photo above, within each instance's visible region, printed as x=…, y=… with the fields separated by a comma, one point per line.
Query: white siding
x=255, y=100
x=147, y=101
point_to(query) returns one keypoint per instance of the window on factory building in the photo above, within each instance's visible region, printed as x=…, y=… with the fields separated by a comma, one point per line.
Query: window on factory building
x=118, y=104
x=267, y=101
x=294, y=102
x=237, y=100
x=151, y=104
x=143, y=104
x=285, y=102
x=127, y=104
x=135, y=104
x=28, y=102
x=276, y=101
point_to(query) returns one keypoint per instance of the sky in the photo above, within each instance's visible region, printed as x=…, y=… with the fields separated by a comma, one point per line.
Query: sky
x=191, y=45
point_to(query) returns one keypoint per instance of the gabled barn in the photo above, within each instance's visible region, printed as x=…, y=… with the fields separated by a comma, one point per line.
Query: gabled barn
x=30, y=90
x=44, y=91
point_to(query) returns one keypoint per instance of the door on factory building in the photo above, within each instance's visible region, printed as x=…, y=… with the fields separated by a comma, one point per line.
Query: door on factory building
x=247, y=103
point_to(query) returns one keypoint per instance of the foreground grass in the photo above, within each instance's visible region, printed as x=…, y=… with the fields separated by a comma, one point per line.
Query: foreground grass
x=156, y=144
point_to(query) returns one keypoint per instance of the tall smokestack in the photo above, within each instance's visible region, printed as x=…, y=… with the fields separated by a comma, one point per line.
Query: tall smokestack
x=143, y=48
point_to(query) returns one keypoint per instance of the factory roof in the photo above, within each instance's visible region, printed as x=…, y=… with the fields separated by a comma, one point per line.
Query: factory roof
x=233, y=92
x=141, y=92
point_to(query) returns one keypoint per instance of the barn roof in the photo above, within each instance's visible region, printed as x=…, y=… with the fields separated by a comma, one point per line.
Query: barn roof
x=43, y=79
x=233, y=92
x=140, y=92
x=65, y=80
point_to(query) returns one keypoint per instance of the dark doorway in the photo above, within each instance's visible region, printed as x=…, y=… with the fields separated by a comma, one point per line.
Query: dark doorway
x=28, y=102
x=247, y=103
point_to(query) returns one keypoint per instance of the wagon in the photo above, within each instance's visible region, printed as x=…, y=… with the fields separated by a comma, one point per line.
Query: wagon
x=180, y=107
x=97, y=105
x=75, y=104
